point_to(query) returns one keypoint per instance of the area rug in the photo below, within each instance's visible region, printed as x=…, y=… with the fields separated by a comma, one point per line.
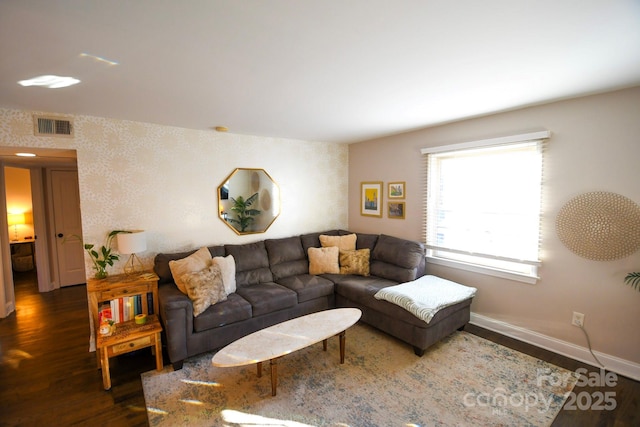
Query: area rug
x=462, y=380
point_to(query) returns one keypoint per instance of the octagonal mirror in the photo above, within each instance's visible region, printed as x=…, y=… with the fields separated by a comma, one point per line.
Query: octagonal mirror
x=248, y=201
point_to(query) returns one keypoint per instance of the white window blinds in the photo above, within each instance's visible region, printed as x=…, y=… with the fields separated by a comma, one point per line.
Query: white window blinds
x=483, y=202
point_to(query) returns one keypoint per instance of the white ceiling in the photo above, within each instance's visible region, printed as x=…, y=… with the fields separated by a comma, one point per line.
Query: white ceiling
x=321, y=70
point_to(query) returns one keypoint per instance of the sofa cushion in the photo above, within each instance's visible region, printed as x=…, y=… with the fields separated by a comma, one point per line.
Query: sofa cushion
x=344, y=243
x=358, y=288
x=355, y=262
x=197, y=261
x=233, y=309
x=227, y=267
x=217, y=251
x=324, y=260
x=268, y=297
x=396, y=259
x=391, y=272
x=204, y=288
x=366, y=241
x=308, y=286
x=252, y=263
x=286, y=257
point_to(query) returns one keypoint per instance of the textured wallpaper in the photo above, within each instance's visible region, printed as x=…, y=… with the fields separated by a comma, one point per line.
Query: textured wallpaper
x=164, y=180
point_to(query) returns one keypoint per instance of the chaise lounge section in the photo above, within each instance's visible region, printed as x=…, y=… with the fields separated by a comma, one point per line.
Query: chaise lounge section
x=273, y=284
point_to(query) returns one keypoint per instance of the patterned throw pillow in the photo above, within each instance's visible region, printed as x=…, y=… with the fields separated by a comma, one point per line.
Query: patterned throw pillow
x=355, y=262
x=205, y=288
x=324, y=260
x=344, y=243
x=194, y=262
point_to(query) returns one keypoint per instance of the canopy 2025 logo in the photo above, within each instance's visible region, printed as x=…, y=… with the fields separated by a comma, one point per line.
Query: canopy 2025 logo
x=584, y=400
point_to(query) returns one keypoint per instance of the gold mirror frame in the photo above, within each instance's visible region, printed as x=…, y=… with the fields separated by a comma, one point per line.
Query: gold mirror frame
x=248, y=201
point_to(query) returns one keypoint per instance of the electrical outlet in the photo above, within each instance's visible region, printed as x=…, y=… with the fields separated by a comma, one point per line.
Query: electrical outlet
x=578, y=319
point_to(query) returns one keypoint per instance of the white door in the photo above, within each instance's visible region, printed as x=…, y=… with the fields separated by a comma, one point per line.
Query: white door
x=67, y=225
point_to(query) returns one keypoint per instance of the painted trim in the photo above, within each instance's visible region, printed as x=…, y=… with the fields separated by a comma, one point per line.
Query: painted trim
x=7, y=298
x=524, y=137
x=481, y=269
x=620, y=366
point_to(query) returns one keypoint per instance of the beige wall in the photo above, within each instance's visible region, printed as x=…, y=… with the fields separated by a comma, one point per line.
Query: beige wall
x=595, y=145
x=164, y=179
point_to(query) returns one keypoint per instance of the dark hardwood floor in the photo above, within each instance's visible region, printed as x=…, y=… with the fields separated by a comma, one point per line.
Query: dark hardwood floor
x=48, y=376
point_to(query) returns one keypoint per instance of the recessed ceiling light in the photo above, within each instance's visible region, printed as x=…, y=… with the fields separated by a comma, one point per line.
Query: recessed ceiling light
x=25, y=155
x=221, y=129
x=50, y=81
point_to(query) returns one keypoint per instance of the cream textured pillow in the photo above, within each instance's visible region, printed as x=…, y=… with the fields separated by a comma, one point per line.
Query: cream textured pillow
x=344, y=243
x=355, y=262
x=191, y=264
x=324, y=260
x=228, y=269
x=205, y=288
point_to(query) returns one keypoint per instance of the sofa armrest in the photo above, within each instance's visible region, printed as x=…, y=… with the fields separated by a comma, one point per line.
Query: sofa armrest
x=176, y=312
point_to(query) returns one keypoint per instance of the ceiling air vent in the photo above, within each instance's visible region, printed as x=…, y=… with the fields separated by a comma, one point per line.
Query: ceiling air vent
x=52, y=126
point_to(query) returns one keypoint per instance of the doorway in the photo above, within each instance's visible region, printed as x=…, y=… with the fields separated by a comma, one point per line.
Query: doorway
x=20, y=220
x=39, y=227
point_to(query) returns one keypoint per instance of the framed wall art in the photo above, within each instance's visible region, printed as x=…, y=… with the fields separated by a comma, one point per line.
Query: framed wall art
x=396, y=190
x=371, y=198
x=396, y=210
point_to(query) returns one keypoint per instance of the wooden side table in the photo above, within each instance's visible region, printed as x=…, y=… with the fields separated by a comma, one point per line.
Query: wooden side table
x=128, y=336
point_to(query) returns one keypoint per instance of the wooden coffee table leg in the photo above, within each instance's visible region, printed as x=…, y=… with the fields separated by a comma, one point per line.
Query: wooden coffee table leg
x=342, y=344
x=274, y=375
x=324, y=345
x=259, y=369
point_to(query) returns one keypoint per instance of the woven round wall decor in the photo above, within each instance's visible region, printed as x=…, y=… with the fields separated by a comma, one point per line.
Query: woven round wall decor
x=600, y=226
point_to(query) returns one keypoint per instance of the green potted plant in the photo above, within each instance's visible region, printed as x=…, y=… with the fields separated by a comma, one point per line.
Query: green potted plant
x=103, y=256
x=633, y=280
x=245, y=215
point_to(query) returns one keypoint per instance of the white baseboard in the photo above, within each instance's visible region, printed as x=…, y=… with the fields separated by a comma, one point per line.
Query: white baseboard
x=615, y=364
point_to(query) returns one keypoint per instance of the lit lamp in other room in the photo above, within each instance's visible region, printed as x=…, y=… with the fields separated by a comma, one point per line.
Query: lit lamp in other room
x=15, y=220
x=132, y=242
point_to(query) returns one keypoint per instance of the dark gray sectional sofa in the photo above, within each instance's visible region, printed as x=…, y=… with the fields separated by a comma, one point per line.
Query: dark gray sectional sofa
x=274, y=285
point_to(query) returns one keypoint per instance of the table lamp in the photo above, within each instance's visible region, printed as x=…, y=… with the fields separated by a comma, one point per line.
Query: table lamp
x=132, y=242
x=15, y=220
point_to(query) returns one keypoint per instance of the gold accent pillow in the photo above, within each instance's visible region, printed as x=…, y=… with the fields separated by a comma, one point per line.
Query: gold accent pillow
x=324, y=260
x=344, y=243
x=194, y=262
x=355, y=262
x=204, y=288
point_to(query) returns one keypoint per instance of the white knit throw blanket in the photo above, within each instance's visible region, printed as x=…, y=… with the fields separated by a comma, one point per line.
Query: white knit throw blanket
x=425, y=296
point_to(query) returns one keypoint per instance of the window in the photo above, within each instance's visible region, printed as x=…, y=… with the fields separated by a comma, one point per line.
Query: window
x=483, y=205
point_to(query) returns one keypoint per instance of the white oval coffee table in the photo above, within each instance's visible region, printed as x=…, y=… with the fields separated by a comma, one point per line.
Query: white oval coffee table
x=279, y=340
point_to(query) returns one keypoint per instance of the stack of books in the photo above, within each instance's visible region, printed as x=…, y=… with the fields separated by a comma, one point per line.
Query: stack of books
x=123, y=309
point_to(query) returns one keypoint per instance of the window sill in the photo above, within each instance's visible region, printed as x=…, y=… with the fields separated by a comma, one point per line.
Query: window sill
x=532, y=280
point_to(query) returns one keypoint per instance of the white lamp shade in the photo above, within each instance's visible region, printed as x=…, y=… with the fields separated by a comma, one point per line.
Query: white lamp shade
x=133, y=242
